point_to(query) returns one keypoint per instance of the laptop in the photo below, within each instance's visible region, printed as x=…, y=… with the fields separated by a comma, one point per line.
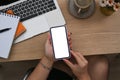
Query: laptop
x=36, y=15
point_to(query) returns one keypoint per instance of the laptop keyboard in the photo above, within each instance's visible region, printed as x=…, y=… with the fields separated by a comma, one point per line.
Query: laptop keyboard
x=31, y=8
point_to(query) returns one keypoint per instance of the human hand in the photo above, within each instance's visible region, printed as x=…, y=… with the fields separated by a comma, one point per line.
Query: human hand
x=48, y=47
x=80, y=69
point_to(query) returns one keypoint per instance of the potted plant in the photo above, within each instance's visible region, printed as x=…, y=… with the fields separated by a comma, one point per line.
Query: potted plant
x=108, y=7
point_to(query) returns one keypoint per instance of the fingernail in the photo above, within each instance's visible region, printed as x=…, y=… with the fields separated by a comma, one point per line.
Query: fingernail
x=70, y=50
x=69, y=39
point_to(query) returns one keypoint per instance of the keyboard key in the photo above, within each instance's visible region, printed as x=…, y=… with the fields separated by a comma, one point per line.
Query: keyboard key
x=28, y=17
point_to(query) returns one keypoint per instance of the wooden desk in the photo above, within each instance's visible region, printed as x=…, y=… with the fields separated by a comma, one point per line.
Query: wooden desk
x=98, y=34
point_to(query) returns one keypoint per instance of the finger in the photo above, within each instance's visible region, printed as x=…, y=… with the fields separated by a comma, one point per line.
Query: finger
x=69, y=38
x=68, y=33
x=82, y=61
x=70, y=42
x=68, y=63
x=75, y=55
x=77, y=58
x=82, y=57
x=47, y=41
x=49, y=38
x=70, y=47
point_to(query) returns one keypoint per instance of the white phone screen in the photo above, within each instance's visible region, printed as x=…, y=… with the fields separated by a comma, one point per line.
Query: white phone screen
x=60, y=42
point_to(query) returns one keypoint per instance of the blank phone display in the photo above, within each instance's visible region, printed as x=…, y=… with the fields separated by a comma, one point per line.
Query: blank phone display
x=59, y=42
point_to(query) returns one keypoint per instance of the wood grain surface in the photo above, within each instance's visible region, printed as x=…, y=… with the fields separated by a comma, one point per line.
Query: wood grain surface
x=96, y=35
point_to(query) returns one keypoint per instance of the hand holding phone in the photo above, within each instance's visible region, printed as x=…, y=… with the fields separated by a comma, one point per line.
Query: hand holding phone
x=60, y=42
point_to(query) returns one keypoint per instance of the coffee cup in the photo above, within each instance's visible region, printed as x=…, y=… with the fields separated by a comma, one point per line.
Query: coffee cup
x=82, y=5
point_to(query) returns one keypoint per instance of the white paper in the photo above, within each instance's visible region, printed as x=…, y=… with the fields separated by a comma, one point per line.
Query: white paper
x=6, y=38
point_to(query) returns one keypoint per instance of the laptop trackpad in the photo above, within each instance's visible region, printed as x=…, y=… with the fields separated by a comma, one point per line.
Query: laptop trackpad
x=34, y=27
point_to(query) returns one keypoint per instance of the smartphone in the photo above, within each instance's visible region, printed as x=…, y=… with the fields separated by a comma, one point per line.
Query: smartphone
x=60, y=42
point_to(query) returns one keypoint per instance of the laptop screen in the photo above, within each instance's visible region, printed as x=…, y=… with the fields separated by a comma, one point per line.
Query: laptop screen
x=6, y=2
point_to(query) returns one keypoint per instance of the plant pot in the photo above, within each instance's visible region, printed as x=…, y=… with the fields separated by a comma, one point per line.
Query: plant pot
x=106, y=11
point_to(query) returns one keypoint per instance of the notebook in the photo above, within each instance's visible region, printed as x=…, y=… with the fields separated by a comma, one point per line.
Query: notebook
x=7, y=37
x=20, y=29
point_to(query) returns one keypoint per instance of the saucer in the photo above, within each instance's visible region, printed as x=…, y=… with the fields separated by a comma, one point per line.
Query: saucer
x=82, y=15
